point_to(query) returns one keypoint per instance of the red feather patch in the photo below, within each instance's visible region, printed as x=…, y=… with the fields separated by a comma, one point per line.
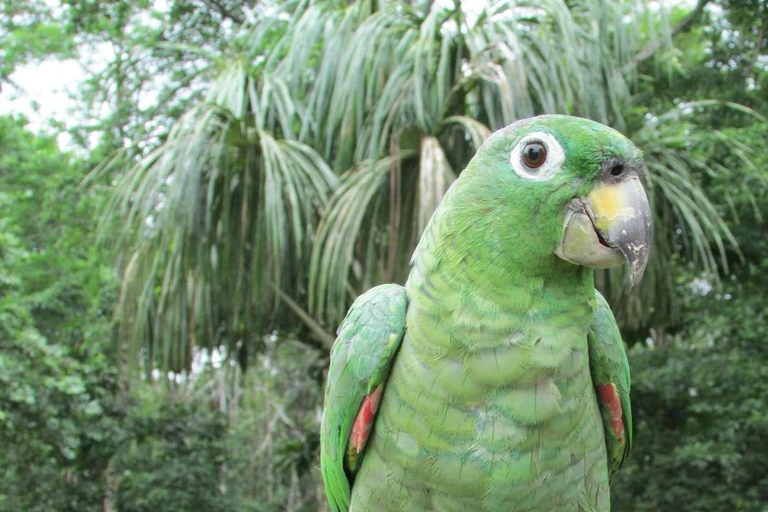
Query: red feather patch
x=609, y=396
x=361, y=428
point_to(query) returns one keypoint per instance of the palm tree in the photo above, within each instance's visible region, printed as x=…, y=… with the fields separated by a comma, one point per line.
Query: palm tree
x=320, y=153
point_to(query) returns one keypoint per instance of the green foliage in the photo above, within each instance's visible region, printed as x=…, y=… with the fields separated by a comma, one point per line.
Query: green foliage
x=394, y=98
x=204, y=445
x=30, y=32
x=204, y=269
x=56, y=416
x=65, y=279
x=73, y=437
x=174, y=459
x=700, y=392
x=54, y=409
x=702, y=406
x=274, y=436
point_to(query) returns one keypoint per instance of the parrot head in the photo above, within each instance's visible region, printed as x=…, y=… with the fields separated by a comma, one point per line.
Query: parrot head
x=563, y=187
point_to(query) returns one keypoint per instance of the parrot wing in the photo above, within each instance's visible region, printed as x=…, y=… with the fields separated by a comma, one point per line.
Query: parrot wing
x=365, y=348
x=610, y=375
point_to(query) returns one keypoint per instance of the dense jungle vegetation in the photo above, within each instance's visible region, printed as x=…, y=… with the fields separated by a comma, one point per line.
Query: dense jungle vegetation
x=237, y=171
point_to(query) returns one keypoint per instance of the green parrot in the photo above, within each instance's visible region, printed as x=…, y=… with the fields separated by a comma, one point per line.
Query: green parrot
x=496, y=379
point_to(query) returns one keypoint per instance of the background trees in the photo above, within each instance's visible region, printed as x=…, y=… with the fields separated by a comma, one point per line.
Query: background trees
x=365, y=113
x=258, y=164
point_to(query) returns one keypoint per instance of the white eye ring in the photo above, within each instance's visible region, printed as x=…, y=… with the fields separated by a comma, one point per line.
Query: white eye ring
x=553, y=160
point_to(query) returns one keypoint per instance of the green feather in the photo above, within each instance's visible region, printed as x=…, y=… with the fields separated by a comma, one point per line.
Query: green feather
x=361, y=357
x=608, y=364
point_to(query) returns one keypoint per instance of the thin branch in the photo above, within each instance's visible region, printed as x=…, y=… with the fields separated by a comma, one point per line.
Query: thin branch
x=221, y=9
x=325, y=337
x=172, y=92
x=16, y=86
x=652, y=47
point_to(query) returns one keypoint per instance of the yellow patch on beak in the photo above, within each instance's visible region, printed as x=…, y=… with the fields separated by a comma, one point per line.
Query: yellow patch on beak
x=609, y=202
x=622, y=215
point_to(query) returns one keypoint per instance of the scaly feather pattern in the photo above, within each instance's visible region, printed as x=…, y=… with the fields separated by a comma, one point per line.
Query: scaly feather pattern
x=610, y=373
x=490, y=405
x=474, y=388
x=362, y=355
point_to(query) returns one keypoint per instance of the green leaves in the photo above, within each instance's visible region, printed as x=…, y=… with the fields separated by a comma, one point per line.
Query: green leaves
x=31, y=32
x=688, y=223
x=326, y=142
x=333, y=256
x=212, y=217
x=701, y=408
x=52, y=400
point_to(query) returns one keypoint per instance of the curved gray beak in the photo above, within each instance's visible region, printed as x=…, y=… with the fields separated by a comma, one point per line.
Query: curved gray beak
x=609, y=226
x=621, y=215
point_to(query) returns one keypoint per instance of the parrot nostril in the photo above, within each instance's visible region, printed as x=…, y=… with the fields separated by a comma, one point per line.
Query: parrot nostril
x=617, y=170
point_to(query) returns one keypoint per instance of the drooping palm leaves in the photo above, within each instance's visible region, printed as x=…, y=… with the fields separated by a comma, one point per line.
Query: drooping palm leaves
x=214, y=217
x=686, y=222
x=394, y=97
x=436, y=80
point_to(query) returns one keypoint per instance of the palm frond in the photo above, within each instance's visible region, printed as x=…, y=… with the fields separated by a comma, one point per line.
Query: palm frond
x=393, y=98
x=687, y=224
x=339, y=231
x=435, y=176
x=213, y=216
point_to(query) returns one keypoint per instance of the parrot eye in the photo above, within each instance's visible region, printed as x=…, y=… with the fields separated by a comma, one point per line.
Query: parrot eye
x=537, y=157
x=534, y=154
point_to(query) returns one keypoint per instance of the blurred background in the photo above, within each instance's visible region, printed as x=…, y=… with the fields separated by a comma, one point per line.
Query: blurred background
x=193, y=192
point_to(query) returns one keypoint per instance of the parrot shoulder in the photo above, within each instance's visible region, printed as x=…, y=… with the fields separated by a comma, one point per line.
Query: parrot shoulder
x=362, y=355
x=610, y=376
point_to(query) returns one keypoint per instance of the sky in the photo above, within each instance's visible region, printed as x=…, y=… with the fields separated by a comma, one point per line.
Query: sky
x=44, y=93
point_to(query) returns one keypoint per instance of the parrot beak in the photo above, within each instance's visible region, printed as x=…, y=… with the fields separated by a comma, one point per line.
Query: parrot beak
x=612, y=224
